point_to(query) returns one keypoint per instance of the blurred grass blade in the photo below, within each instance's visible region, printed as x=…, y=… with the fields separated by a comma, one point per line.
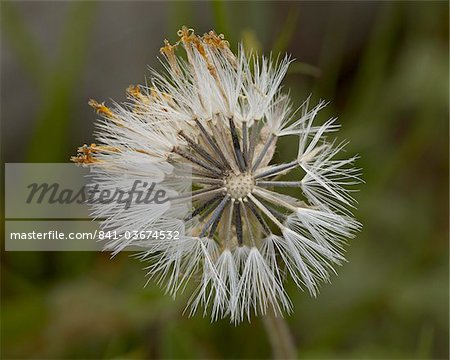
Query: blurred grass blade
x=179, y=13
x=22, y=41
x=375, y=61
x=251, y=43
x=287, y=32
x=301, y=68
x=333, y=49
x=50, y=136
x=221, y=19
x=425, y=343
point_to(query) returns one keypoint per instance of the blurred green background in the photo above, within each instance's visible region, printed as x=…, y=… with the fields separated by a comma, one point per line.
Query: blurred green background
x=384, y=68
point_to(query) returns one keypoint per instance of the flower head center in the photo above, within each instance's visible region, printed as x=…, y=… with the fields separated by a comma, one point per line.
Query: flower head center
x=240, y=185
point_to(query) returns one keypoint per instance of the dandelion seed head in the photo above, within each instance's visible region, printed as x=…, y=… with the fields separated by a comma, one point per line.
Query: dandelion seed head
x=221, y=115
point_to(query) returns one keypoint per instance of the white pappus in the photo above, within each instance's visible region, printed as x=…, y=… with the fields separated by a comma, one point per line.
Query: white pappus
x=219, y=116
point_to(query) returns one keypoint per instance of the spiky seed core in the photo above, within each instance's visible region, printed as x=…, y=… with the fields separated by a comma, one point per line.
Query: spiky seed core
x=240, y=185
x=225, y=159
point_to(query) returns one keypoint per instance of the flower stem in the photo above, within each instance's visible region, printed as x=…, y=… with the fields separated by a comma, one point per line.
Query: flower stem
x=280, y=336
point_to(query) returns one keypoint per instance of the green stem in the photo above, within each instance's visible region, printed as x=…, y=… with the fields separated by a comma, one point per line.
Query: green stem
x=280, y=336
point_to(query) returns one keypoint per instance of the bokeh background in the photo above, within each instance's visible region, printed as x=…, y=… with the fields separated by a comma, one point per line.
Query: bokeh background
x=384, y=68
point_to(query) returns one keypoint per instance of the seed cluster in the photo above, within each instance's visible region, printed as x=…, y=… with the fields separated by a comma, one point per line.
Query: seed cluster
x=239, y=186
x=206, y=129
x=230, y=166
